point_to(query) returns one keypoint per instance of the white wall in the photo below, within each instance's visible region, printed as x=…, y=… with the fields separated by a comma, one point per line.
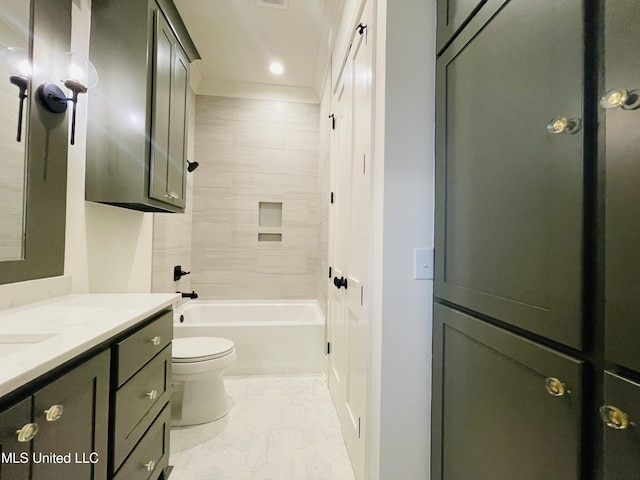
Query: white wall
x=403, y=220
x=107, y=249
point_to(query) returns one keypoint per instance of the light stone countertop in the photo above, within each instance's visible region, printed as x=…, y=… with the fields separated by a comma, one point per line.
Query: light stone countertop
x=38, y=337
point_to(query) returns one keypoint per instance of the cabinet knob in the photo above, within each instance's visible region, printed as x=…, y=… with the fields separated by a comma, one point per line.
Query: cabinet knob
x=614, y=98
x=26, y=433
x=555, y=387
x=150, y=465
x=156, y=340
x=54, y=413
x=620, y=98
x=613, y=417
x=565, y=125
x=153, y=394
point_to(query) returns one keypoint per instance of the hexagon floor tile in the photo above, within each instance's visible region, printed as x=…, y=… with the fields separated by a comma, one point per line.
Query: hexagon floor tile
x=281, y=427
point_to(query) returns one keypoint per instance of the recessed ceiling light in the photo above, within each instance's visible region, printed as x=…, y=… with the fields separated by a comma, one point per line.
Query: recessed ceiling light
x=276, y=68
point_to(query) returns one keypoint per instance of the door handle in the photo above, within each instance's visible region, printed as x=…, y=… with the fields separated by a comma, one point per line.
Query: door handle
x=340, y=282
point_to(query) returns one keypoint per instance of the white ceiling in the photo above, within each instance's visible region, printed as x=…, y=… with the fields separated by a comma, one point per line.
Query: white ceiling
x=238, y=40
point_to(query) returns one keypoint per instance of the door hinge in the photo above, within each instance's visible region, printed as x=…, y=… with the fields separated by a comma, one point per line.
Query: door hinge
x=328, y=348
x=359, y=427
x=332, y=198
x=333, y=121
x=361, y=295
x=364, y=164
x=330, y=271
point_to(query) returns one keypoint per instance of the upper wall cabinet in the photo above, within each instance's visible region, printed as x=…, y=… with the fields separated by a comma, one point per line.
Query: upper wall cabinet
x=509, y=167
x=136, y=139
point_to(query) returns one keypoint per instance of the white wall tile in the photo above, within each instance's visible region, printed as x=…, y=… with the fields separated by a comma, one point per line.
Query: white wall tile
x=241, y=167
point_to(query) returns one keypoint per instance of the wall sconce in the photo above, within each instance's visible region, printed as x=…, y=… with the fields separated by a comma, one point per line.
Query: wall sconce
x=191, y=166
x=77, y=74
x=15, y=62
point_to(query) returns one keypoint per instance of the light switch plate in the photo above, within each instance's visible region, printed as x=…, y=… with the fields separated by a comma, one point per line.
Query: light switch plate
x=423, y=264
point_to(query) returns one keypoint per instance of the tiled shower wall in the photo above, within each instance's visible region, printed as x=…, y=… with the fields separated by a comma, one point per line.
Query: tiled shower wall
x=253, y=151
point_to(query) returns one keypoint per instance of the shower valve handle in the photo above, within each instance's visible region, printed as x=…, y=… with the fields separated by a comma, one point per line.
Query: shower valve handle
x=178, y=273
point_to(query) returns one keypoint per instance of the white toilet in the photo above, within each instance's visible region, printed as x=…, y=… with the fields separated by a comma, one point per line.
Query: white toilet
x=197, y=366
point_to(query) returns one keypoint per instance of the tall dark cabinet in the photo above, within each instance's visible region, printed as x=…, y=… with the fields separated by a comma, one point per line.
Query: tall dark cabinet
x=536, y=347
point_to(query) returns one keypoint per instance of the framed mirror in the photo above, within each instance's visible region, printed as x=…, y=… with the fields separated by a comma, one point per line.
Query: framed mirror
x=15, y=71
x=33, y=171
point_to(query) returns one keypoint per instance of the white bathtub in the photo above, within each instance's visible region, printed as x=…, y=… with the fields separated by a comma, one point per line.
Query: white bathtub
x=270, y=336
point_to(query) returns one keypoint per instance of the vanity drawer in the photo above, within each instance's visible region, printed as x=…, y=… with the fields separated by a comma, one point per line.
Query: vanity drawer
x=138, y=402
x=151, y=455
x=137, y=349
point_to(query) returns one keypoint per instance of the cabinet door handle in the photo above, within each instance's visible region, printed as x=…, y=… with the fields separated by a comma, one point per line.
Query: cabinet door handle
x=153, y=394
x=150, y=465
x=171, y=195
x=26, y=433
x=614, y=418
x=555, y=387
x=565, y=125
x=54, y=412
x=620, y=98
x=156, y=340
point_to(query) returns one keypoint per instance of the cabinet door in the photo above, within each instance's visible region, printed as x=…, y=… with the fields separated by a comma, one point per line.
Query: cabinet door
x=168, y=136
x=452, y=14
x=493, y=414
x=509, y=192
x=15, y=455
x=622, y=178
x=79, y=429
x=621, y=415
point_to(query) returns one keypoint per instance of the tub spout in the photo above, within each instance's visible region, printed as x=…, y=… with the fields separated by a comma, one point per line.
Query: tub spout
x=193, y=295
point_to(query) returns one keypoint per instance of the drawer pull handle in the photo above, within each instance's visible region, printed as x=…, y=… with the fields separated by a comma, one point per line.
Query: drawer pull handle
x=156, y=340
x=614, y=418
x=26, y=433
x=153, y=394
x=150, y=465
x=54, y=413
x=555, y=387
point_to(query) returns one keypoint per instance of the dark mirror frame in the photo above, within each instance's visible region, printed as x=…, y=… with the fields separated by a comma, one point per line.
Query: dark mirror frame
x=47, y=144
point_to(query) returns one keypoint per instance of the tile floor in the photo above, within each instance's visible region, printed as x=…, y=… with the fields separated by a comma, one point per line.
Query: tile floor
x=282, y=427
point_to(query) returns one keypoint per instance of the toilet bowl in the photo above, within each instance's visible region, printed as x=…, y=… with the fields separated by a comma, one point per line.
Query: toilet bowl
x=197, y=366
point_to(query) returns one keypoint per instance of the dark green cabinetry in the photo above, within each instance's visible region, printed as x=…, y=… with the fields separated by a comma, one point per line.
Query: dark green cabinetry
x=509, y=193
x=622, y=71
x=537, y=283
x=142, y=390
x=107, y=414
x=15, y=451
x=136, y=138
x=500, y=418
x=71, y=414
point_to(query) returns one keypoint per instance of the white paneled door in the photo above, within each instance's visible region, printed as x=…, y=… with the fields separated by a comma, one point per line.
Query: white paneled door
x=348, y=320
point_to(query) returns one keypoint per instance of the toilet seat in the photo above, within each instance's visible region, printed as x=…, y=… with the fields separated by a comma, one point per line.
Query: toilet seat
x=200, y=349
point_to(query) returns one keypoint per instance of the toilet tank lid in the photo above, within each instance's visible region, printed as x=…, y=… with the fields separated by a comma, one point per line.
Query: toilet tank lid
x=199, y=347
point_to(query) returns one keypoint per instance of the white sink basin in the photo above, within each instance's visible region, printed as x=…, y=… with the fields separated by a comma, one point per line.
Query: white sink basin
x=14, y=342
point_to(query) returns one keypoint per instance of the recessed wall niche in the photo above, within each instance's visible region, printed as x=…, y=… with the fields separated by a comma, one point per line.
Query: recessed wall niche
x=270, y=221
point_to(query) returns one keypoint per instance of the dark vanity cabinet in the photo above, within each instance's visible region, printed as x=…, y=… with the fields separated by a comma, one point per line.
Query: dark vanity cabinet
x=107, y=413
x=536, y=372
x=137, y=120
x=140, y=407
x=60, y=430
